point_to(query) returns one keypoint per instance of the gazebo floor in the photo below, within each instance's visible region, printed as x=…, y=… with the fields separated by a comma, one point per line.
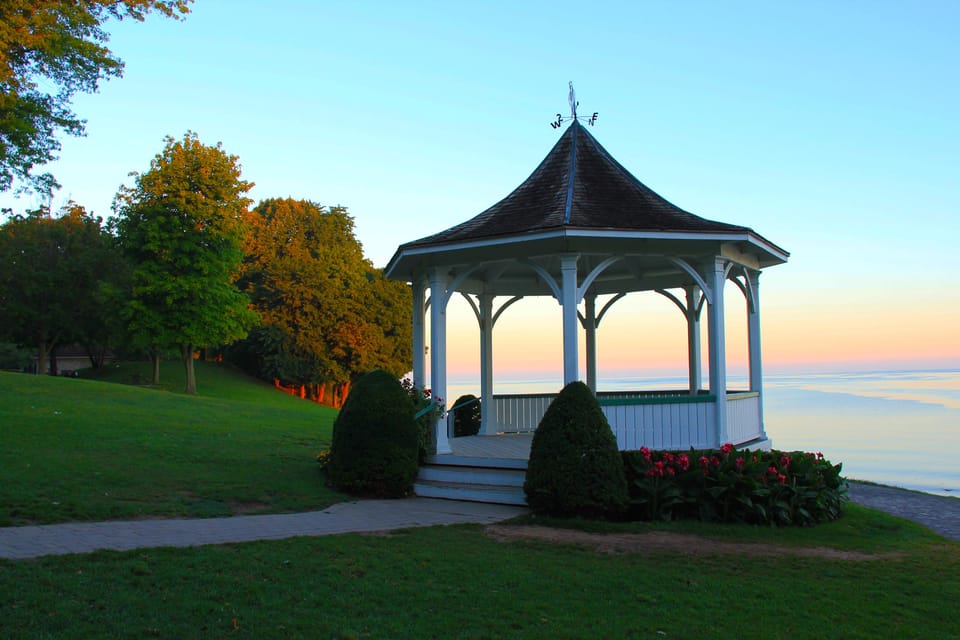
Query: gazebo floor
x=503, y=446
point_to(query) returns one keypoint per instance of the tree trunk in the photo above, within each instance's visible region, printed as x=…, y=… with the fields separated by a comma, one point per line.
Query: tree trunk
x=54, y=370
x=186, y=352
x=43, y=353
x=155, y=360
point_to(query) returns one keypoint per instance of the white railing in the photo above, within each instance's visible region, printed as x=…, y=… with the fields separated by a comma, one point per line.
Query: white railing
x=658, y=420
x=744, y=422
x=521, y=413
x=664, y=424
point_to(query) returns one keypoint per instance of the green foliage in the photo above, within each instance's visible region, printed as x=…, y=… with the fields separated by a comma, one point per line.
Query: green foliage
x=758, y=487
x=374, y=449
x=181, y=226
x=575, y=468
x=54, y=272
x=466, y=416
x=330, y=315
x=50, y=50
x=14, y=358
x=426, y=412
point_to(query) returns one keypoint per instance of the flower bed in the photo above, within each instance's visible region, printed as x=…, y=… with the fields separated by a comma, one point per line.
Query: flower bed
x=760, y=487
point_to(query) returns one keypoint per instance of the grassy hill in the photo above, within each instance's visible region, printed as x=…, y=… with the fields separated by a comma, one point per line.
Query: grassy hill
x=82, y=449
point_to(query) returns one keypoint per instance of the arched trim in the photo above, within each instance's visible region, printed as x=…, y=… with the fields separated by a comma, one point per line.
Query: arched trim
x=496, y=316
x=683, y=264
x=600, y=268
x=675, y=299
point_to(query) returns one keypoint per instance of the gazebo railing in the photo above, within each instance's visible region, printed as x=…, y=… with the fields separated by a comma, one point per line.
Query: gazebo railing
x=672, y=419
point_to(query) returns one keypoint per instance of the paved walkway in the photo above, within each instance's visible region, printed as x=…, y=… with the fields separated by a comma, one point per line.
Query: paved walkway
x=343, y=517
x=941, y=514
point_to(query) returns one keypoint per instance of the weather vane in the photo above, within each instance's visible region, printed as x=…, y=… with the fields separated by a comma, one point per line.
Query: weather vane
x=572, y=99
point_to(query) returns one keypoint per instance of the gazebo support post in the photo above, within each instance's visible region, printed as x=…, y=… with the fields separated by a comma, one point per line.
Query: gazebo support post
x=716, y=277
x=419, y=333
x=438, y=355
x=488, y=419
x=692, y=312
x=568, y=302
x=753, y=337
x=590, y=325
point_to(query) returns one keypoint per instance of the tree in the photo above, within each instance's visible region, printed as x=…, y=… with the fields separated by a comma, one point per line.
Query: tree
x=181, y=226
x=50, y=50
x=52, y=271
x=329, y=316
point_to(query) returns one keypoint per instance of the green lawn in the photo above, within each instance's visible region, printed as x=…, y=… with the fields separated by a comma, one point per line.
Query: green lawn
x=82, y=449
x=454, y=582
x=91, y=450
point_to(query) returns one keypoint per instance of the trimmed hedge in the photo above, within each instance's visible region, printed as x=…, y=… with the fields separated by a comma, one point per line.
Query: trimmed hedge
x=759, y=487
x=375, y=448
x=575, y=468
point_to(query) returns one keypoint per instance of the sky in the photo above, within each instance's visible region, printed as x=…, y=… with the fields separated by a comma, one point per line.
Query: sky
x=830, y=128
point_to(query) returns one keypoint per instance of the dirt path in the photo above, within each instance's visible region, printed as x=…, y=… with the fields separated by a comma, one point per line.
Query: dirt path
x=659, y=541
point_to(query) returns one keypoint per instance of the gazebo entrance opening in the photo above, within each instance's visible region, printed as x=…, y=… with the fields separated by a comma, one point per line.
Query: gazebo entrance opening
x=580, y=229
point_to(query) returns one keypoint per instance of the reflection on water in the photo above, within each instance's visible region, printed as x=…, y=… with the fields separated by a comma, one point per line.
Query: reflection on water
x=899, y=428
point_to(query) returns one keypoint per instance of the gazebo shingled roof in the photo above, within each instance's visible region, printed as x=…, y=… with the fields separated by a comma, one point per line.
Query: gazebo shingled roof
x=578, y=185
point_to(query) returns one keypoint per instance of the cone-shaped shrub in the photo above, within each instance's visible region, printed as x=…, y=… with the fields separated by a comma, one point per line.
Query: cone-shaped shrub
x=374, y=448
x=575, y=468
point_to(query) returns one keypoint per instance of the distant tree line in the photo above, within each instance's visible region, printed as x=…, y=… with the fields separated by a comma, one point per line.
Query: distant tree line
x=186, y=267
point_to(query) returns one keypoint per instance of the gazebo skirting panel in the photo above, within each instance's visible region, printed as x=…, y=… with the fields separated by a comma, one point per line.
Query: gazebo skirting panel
x=673, y=420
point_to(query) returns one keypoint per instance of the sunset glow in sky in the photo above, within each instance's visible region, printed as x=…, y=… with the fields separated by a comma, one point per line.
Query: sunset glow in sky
x=830, y=128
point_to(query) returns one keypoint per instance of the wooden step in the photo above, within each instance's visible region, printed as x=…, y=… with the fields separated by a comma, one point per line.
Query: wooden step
x=494, y=494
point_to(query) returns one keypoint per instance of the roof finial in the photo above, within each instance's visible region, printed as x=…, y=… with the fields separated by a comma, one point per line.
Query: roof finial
x=572, y=100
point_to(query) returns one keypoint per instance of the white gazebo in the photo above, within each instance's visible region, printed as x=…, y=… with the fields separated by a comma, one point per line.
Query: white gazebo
x=581, y=226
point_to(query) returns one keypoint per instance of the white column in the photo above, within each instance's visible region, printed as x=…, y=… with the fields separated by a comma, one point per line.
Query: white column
x=753, y=331
x=568, y=301
x=753, y=336
x=419, y=335
x=693, y=339
x=716, y=278
x=590, y=324
x=488, y=418
x=438, y=354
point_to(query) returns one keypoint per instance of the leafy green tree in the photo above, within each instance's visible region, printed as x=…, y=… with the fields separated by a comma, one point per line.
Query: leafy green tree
x=329, y=315
x=52, y=271
x=49, y=51
x=181, y=226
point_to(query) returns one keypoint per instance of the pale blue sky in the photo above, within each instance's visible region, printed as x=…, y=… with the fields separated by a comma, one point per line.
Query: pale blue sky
x=831, y=128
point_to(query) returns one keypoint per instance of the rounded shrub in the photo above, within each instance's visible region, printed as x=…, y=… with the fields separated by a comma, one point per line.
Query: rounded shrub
x=575, y=467
x=466, y=416
x=374, y=448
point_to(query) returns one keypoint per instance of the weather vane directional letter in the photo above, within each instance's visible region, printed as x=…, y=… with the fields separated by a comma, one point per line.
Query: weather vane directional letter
x=572, y=99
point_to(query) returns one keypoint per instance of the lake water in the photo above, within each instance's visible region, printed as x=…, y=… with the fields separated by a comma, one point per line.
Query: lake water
x=899, y=428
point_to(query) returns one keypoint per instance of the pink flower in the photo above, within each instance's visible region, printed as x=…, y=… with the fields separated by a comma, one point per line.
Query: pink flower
x=645, y=453
x=782, y=479
x=772, y=471
x=784, y=461
x=683, y=462
x=715, y=461
x=726, y=449
x=671, y=471
x=704, y=461
x=740, y=463
x=668, y=458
